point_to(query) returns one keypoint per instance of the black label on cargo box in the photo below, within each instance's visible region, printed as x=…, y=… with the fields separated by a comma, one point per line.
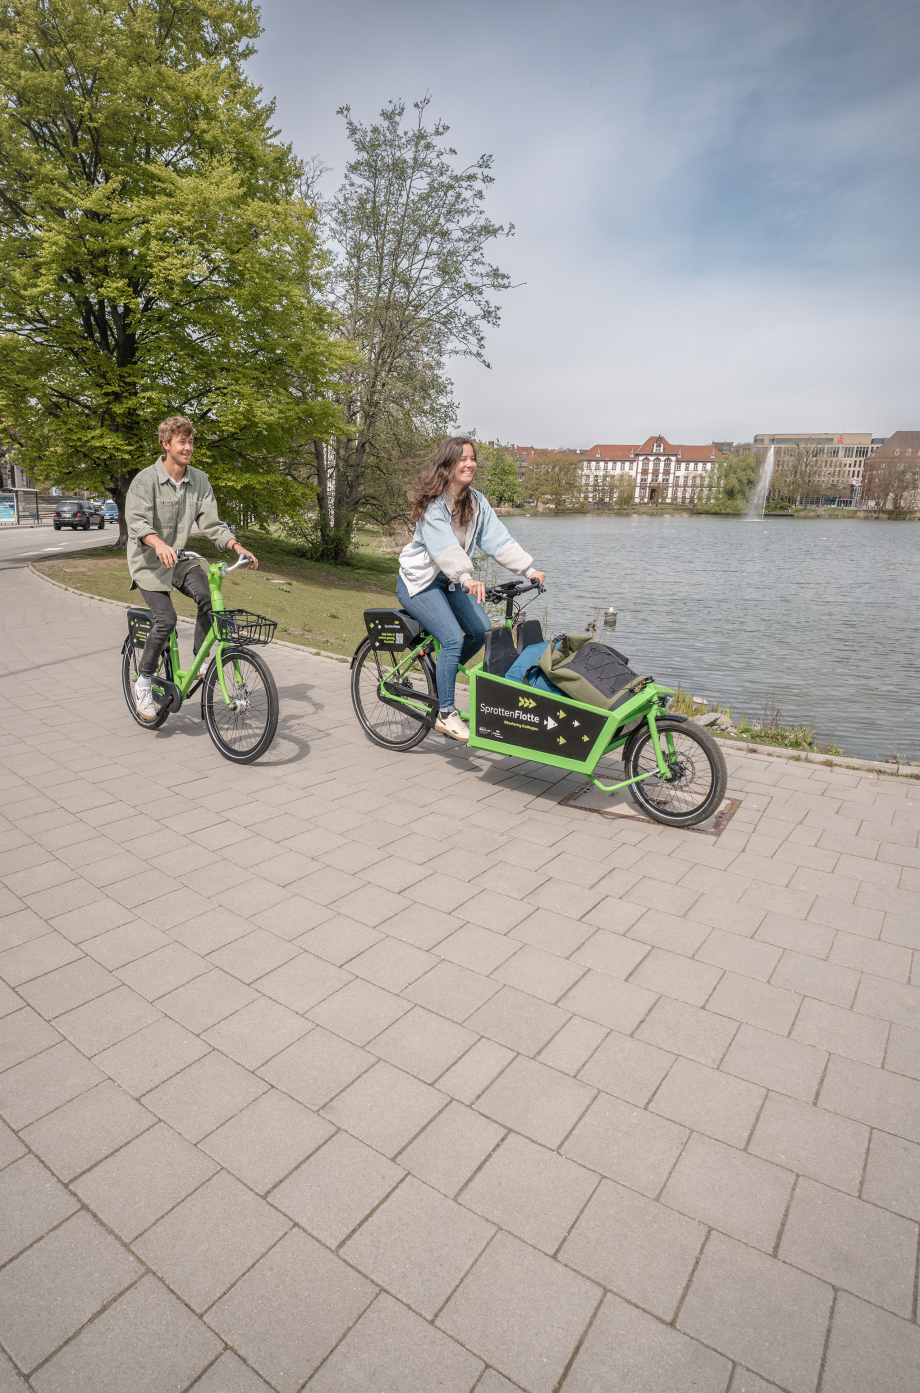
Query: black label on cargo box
x=535, y=720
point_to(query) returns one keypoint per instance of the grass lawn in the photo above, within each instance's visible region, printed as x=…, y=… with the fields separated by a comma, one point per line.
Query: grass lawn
x=316, y=605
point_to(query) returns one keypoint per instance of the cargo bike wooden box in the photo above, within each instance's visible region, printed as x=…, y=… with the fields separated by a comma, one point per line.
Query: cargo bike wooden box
x=674, y=770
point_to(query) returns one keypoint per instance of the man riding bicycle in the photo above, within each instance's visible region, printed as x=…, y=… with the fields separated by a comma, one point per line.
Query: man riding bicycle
x=164, y=502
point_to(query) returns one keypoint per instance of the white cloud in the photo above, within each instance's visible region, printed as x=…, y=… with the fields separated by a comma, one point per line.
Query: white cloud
x=716, y=204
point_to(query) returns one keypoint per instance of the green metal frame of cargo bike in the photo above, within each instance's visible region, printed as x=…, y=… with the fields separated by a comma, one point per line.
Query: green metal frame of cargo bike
x=610, y=729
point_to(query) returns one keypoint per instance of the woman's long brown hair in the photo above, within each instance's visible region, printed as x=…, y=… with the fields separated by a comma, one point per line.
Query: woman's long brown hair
x=435, y=478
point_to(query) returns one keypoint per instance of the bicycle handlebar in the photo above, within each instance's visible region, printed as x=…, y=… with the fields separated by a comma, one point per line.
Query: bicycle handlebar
x=244, y=561
x=510, y=589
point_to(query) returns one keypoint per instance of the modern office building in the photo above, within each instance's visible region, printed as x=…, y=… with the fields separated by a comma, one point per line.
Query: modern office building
x=839, y=459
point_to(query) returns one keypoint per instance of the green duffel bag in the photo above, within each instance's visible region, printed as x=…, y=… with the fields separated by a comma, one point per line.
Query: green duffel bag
x=589, y=671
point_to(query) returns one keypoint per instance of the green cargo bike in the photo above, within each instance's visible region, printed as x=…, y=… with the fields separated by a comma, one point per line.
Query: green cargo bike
x=674, y=769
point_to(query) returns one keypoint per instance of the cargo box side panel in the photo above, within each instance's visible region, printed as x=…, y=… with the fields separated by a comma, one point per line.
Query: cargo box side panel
x=513, y=719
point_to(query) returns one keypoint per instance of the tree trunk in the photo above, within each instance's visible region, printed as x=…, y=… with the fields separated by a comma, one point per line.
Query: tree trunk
x=118, y=488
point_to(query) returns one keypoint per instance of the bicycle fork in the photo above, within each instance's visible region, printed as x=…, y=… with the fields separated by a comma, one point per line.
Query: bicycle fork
x=662, y=769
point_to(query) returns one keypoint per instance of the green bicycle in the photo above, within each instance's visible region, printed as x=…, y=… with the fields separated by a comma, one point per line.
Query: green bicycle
x=239, y=699
x=675, y=771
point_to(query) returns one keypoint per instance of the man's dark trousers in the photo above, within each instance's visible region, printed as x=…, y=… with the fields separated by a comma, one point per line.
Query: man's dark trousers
x=195, y=585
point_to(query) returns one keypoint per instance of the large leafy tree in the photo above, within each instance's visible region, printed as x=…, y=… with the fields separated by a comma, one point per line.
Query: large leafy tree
x=554, y=475
x=733, y=484
x=497, y=476
x=154, y=254
x=410, y=283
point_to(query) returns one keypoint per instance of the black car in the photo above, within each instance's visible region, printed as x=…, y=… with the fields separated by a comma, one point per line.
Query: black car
x=77, y=512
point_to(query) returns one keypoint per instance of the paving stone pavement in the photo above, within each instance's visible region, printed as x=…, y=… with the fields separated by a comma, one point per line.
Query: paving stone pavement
x=359, y=1071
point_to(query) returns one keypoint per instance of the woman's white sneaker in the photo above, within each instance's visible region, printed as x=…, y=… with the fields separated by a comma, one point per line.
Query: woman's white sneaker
x=453, y=726
x=147, y=708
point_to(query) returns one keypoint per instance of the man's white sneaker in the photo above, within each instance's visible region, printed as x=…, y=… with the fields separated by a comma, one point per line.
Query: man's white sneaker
x=147, y=708
x=453, y=726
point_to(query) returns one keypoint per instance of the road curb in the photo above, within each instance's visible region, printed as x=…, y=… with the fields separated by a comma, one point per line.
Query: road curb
x=862, y=766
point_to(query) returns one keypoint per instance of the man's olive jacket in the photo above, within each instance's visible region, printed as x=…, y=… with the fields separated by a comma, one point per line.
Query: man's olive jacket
x=153, y=505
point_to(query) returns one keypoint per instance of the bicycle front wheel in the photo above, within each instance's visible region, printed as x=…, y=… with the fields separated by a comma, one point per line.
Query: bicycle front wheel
x=387, y=725
x=243, y=730
x=697, y=779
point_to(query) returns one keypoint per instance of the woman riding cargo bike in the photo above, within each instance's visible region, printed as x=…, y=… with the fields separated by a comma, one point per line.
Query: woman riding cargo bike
x=436, y=584
x=567, y=702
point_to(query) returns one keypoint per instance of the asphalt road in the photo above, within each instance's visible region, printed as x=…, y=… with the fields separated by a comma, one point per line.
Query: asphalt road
x=20, y=545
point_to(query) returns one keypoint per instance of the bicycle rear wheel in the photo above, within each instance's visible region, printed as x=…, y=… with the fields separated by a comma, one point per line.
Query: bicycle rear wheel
x=129, y=676
x=387, y=725
x=246, y=728
x=698, y=776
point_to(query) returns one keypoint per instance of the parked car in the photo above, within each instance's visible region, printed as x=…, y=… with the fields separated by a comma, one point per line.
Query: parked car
x=77, y=512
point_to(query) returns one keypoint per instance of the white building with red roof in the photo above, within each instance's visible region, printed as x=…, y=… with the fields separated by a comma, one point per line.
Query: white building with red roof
x=661, y=472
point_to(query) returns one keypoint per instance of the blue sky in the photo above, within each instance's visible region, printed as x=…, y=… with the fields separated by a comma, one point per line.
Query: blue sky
x=715, y=203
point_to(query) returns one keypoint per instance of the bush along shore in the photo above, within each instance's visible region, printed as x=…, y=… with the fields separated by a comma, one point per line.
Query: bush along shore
x=769, y=728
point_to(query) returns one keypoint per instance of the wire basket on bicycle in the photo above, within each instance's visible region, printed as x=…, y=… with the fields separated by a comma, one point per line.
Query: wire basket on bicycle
x=240, y=626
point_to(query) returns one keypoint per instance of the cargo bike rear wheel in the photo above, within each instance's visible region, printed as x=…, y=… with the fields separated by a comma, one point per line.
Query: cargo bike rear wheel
x=697, y=777
x=389, y=726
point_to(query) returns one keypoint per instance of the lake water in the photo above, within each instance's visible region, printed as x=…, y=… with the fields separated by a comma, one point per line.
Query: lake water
x=822, y=615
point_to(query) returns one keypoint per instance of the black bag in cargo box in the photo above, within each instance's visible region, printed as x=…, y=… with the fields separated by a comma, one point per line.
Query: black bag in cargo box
x=391, y=630
x=590, y=672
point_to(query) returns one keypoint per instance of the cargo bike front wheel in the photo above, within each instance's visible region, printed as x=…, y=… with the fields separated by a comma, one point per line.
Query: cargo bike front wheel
x=392, y=726
x=697, y=777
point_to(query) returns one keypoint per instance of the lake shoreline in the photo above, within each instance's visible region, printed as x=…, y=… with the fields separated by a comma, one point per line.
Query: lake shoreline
x=801, y=515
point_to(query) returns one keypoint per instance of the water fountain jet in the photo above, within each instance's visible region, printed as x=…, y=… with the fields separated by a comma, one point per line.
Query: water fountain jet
x=758, y=504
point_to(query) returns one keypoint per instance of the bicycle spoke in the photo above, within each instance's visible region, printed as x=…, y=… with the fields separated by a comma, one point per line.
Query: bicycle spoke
x=387, y=724
x=242, y=724
x=692, y=776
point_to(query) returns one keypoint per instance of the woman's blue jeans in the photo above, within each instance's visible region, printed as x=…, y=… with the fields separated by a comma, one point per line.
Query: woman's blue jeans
x=456, y=620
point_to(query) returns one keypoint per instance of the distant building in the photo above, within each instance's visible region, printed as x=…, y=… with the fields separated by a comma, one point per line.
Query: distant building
x=734, y=447
x=901, y=448
x=661, y=472
x=11, y=476
x=840, y=459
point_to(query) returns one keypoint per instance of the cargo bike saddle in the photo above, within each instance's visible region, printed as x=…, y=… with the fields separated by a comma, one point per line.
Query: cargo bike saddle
x=674, y=770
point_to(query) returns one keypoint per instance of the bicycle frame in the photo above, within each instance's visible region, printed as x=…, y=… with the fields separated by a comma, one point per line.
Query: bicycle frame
x=183, y=679
x=521, y=718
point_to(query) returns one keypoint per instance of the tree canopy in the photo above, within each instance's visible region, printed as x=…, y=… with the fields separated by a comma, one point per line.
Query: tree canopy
x=554, y=475
x=497, y=476
x=154, y=254
x=410, y=284
x=733, y=483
